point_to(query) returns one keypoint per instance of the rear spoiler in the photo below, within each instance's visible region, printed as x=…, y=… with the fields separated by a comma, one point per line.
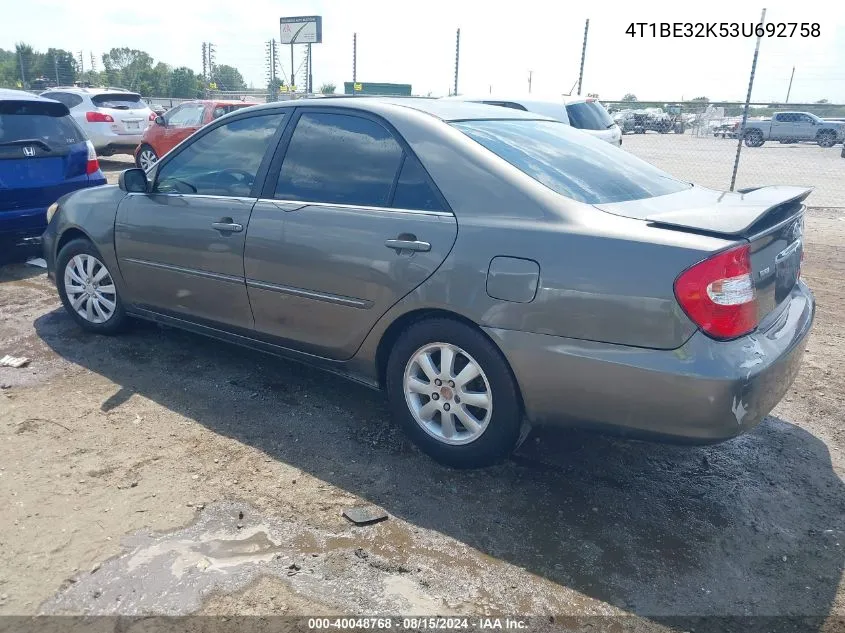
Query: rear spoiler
x=736, y=213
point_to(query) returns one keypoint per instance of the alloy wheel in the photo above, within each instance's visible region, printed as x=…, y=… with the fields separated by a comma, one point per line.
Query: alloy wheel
x=147, y=158
x=448, y=393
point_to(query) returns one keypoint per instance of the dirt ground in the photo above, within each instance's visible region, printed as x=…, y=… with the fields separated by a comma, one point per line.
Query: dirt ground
x=159, y=472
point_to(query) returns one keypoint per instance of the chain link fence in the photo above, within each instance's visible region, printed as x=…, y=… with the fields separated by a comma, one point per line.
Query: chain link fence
x=786, y=144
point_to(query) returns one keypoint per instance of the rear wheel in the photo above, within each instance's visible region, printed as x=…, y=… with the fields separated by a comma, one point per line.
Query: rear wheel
x=146, y=157
x=453, y=393
x=827, y=139
x=754, y=138
x=87, y=289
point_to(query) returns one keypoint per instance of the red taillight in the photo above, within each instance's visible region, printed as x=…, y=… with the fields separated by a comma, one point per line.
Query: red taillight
x=98, y=117
x=153, y=116
x=93, y=164
x=718, y=294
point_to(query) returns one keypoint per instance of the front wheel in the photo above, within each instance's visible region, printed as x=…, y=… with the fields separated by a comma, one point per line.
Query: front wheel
x=87, y=289
x=453, y=393
x=146, y=157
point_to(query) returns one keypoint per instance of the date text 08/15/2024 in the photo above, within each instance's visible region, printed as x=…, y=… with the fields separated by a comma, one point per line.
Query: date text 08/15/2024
x=418, y=623
x=723, y=29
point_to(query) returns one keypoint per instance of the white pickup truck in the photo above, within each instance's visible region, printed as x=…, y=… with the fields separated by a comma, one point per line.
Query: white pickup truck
x=791, y=127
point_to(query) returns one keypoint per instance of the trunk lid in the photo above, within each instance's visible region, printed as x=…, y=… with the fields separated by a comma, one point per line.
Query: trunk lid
x=131, y=115
x=770, y=219
x=43, y=154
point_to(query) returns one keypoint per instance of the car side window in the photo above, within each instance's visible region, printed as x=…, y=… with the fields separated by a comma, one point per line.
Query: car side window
x=187, y=115
x=413, y=190
x=341, y=159
x=223, y=162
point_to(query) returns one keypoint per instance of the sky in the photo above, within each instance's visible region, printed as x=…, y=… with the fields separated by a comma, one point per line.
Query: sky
x=501, y=43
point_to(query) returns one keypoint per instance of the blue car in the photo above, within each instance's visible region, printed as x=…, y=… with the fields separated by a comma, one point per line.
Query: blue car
x=44, y=154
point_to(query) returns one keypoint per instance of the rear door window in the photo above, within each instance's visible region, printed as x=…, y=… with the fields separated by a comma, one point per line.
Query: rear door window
x=341, y=159
x=589, y=115
x=46, y=127
x=413, y=190
x=119, y=101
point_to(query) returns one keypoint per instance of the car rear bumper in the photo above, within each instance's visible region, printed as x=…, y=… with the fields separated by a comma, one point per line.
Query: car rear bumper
x=704, y=391
x=22, y=228
x=112, y=141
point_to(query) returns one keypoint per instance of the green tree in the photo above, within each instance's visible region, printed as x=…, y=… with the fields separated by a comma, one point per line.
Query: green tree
x=183, y=83
x=328, y=88
x=630, y=98
x=60, y=66
x=701, y=99
x=125, y=67
x=228, y=78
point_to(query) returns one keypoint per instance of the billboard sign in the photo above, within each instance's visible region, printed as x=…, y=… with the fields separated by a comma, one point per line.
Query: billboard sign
x=304, y=29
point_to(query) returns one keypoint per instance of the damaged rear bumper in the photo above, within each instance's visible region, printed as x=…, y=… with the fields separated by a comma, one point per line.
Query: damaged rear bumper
x=704, y=391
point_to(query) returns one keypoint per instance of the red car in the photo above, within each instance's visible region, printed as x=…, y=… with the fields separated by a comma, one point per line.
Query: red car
x=178, y=124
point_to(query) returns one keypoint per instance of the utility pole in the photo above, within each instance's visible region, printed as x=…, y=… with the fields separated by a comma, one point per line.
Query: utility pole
x=583, y=55
x=457, y=58
x=204, y=62
x=354, y=60
x=292, y=70
x=309, y=86
x=530, y=73
x=93, y=63
x=271, y=68
x=788, y=90
x=747, y=102
x=23, y=74
x=81, y=64
x=56, y=68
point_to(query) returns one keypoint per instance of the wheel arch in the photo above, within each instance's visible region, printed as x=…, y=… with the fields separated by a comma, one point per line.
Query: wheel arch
x=68, y=235
x=401, y=323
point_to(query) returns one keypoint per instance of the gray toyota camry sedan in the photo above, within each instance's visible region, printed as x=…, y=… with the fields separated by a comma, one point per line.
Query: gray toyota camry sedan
x=486, y=267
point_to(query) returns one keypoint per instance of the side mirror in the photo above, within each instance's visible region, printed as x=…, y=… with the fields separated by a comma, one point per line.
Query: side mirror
x=159, y=120
x=133, y=180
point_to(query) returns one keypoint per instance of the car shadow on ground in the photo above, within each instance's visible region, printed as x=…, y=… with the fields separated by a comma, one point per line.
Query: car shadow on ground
x=749, y=527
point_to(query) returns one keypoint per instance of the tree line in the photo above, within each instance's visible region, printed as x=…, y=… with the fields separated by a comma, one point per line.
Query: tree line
x=28, y=69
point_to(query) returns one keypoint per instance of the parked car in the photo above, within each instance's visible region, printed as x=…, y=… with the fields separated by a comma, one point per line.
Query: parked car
x=583, y=113
x=793, y=127
x=483, y=265
x=728, y=129
x=43, y=155
x=114, y=119
x=178, y=124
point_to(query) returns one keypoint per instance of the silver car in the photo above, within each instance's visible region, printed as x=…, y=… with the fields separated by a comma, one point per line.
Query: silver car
x=113, y=119
x=483, y=265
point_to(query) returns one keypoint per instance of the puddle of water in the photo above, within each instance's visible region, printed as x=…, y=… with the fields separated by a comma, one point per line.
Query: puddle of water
x=418, y=602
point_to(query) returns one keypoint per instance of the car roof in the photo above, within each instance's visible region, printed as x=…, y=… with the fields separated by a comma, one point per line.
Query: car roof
x=20, y=95
x=91, y=91
x=444, y=109
x=524, y=99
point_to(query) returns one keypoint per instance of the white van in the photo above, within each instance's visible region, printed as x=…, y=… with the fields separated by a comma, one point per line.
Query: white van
x=583, y=113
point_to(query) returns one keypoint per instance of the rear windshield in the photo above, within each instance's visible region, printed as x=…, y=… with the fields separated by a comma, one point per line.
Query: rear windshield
x=571, y=163
x=119, y=101
x=589, y=115
x=49, y=123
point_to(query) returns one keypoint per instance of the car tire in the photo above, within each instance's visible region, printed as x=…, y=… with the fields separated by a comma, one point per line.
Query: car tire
x=89, y=295
x=826, y=139
x=146, y=157
x=479, y=435
x=754, y=138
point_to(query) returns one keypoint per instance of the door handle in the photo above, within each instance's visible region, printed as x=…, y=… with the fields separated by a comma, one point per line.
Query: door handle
x=227, y=226
x=408, y=245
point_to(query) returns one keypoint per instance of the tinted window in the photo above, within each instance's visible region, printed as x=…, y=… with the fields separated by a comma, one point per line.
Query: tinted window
x=589, y=115
x=338, y=158
x=70, y=100
x=223, y=162
x=220, y=110
x=413, y=190
x=571, y=163
x=46, y=122
x=118, y=101
x=785, y=118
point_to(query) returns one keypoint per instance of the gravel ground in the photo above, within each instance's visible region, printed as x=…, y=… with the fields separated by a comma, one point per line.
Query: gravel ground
x=709, y=161
x=163, y=473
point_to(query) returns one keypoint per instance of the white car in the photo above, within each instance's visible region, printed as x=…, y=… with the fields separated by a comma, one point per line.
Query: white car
x=113, y=119
x=583, y=113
